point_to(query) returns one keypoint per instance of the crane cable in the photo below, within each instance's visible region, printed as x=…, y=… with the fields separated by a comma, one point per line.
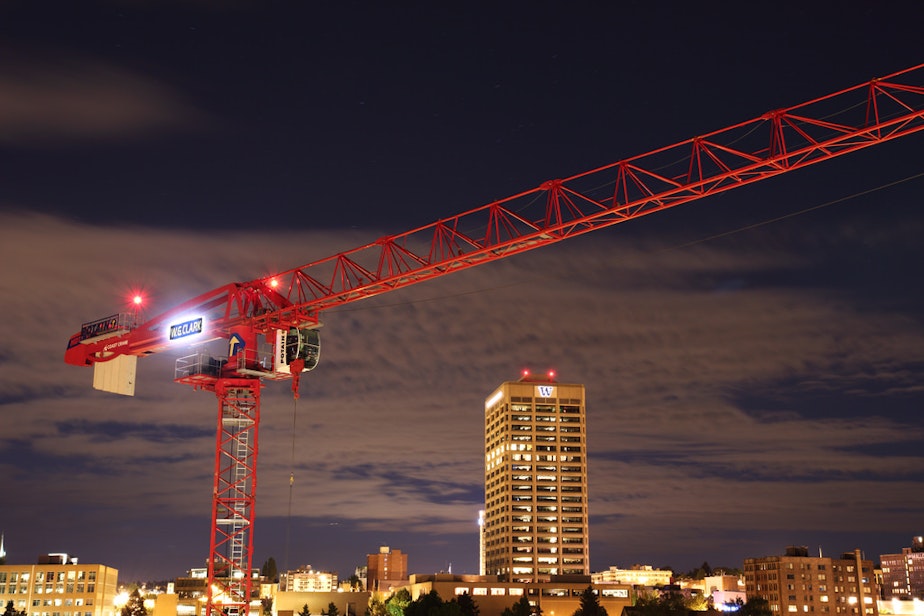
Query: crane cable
x=800, y=212
x=291, y=467
x=677, y=247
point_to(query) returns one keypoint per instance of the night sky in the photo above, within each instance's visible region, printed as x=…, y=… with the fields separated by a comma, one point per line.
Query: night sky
x=753, y=361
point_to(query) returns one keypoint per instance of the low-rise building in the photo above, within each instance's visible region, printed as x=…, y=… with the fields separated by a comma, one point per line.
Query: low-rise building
x=903, y=574
x=560, y=596
x=306, y=579
x=289, y=603
x=59, y=585
x=799, y=583
x=724, y=590
x=636, y=575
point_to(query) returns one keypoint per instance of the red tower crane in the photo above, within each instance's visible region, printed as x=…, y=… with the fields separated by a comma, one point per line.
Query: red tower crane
x=271, y=323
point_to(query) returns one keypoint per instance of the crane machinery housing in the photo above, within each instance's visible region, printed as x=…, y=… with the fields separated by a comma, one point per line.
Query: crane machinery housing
x=271, y=323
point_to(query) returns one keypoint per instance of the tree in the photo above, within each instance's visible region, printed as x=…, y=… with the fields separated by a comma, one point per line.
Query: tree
x=755, y=606
x=376, y=607
x=429, y=604
x=135, y=605
x=704, y=570
x=590, y=604
x=432, y=605
x=331, y=610
x=468, y=605
x=266, y=606
x=521, y=608
x=269, y=571
x=304, y=611
x=697, y=602
x=355, y=583
x=669, y=604
x=396, y=603
x=12, y=611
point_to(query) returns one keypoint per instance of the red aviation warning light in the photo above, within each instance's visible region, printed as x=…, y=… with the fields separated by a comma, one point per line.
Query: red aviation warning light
x=135, y=301
x=135, y=297
x=540, y=377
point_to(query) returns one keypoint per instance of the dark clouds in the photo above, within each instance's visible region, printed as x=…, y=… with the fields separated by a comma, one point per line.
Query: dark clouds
x=695, y=391
x=74, y=100
x=745, y=391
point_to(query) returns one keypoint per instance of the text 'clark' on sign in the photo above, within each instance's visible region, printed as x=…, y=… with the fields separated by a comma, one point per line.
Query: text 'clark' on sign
x=187, y=328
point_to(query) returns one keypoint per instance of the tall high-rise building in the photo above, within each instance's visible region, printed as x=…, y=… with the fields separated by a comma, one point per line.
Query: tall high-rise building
x=535, y=480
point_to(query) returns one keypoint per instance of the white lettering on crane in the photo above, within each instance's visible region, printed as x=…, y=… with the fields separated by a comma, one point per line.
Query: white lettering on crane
x=188, y=328
x=114, y=345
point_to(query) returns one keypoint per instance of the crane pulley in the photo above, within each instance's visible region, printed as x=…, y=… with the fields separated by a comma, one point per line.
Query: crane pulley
x=271, y=323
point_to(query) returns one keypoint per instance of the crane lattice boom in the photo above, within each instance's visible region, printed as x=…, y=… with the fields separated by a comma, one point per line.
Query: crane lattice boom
x=774, y=143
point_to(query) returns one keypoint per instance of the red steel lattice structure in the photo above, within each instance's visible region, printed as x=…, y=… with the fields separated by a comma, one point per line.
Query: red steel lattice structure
x=774, y=143
x=234, y=490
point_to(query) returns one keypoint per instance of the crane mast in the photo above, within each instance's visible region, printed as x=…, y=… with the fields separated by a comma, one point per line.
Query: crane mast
x=271, y=323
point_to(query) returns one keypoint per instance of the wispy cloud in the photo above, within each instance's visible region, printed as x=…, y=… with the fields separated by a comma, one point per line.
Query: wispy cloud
x=54, y=98
x=754, y=407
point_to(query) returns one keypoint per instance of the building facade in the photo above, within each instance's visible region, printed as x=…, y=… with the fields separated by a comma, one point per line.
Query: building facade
x=287, y=603
x=637, y=575
x=386, y=569
x=306, y=579
x=723, y=591
x=59, y=587
x=903, y=574
x=556, y=598
x=535, y=522
x=799, y=583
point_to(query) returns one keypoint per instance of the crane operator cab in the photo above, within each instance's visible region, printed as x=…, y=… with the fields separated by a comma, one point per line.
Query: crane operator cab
x=297, y=344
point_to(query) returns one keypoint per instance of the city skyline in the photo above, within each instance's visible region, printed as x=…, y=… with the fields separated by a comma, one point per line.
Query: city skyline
x=752, y=362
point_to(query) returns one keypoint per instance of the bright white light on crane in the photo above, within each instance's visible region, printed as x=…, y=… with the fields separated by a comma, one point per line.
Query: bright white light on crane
x=137, y=300
x=551, y=375
x=274, y=283
x=186, y=327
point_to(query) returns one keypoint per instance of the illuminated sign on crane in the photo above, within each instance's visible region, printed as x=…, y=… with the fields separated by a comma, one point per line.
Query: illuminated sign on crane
x=101, y=327
x=186, y=328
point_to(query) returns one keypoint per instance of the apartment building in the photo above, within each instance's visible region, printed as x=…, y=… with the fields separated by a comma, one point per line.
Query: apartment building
x=903, y=574
x=798, y=583
x=59, y=586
